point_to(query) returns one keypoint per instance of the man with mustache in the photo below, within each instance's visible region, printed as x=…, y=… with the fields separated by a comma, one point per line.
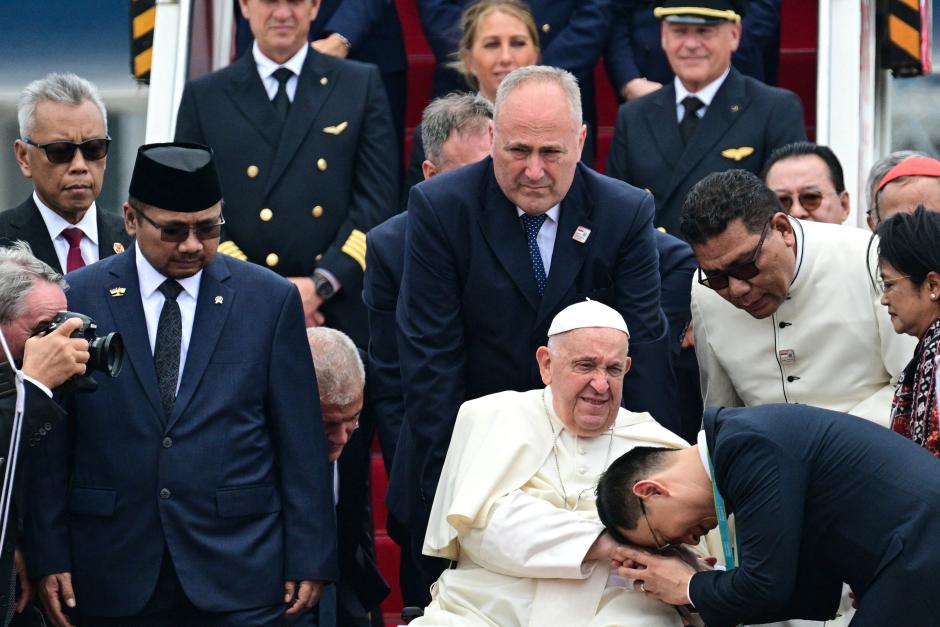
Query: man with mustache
x=709, y=118
x=194, y=489
x=784, y=310
x=63, y=149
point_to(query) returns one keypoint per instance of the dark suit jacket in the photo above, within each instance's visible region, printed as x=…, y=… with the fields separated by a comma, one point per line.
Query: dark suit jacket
x=24, y=222
x=677, y=266
x=236, y=484
x=634, y=47
x=820, y=498
x=324, y=190
x=470, y=318
x=647, y=150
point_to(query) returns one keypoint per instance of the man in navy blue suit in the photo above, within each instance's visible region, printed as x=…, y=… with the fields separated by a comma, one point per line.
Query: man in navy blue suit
x=495, y=249
x=710, y=118
x=819, y=498
x=193, y=489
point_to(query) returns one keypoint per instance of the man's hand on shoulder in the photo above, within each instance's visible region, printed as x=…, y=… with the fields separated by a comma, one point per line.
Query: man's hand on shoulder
x=310, y=300
x=301, y=596
x=54, y=592
x=55, y=357
x=334, y=45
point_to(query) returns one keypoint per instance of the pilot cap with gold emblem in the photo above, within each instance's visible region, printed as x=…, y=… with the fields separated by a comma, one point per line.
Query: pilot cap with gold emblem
x=701, y=11
x=176, y=176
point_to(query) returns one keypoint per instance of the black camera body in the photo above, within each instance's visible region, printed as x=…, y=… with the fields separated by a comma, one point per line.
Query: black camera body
x=106, y=354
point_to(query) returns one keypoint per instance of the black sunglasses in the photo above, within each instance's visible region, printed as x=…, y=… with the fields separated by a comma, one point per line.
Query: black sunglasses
x=177, y=232
x=63, y=152
x=743, y=271
x=808, y=200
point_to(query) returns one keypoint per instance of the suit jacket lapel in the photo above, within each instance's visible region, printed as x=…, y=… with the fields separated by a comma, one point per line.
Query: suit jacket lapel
x=128, y=313
x=108, y=238
x=250, y=98
x=663, y=125
x=568, y=254
x=729, y=102
x=309, y=98
x=27, y=224
x=503, y=232
x=211, y=312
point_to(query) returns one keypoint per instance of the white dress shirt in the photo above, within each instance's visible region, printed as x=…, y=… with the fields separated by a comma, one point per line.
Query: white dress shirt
x=546, y=237
x=705, y=94
x=55, y=224
x=266, y=68
x=153, y=299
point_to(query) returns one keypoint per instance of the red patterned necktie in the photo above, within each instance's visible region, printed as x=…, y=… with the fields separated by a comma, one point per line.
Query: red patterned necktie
x=74, y=260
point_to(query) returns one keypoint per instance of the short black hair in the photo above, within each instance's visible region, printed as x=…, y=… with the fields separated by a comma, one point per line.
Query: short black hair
x=617, y=506
x=910, y=242
x=801, y=149
x=723, y=197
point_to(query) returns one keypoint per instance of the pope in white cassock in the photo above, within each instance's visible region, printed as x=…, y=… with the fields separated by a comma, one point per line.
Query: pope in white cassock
x=515, y=507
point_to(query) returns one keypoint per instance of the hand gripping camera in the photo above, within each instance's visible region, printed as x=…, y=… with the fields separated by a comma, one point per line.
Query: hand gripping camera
x=106, y=353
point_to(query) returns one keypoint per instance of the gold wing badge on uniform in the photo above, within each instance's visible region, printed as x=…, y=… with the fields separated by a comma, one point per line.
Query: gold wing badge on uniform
x=737, y=154
x=336, y=130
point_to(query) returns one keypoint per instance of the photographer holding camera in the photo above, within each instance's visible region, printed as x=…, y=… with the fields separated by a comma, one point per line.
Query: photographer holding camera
x=31, y=294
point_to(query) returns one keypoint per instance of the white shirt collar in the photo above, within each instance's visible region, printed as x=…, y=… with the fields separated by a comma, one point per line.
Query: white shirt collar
x=55, y=223
x=705, y=94
x=266, y=66
x=800, y=236
x=551, y=213
x=150, y=279
x=702, y=442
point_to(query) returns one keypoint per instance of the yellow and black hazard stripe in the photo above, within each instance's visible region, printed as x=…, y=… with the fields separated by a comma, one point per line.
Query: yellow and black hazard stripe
x=903, y=38
x=143, y=16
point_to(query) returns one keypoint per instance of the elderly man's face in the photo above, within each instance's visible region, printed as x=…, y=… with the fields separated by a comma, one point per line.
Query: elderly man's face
x=40, y=306
x=339, y=424
x=536, y=146
x=904, y=195
x=459, y=150
x=66, y=188
x=280, y=26
x=804, y=186
x=699, y=53
x=762, y=294
x=585, y=368
x=175, y=260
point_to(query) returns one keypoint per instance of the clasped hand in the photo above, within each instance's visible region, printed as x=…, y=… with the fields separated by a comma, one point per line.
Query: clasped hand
x=664, y=576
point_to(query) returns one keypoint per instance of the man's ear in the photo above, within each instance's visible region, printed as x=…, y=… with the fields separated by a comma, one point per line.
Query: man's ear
x=130, y=220
x=544, y=358
x=428, y=169
x=781, y=222
x=645, y=488
x=19, y=153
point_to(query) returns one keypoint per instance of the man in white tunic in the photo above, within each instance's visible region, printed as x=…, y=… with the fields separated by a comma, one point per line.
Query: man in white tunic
x=515, y=507
x=785, y=311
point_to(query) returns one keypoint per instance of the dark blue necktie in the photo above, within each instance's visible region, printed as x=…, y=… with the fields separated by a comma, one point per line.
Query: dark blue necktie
x=281, y=100
x=532, y=225
x=166, y=352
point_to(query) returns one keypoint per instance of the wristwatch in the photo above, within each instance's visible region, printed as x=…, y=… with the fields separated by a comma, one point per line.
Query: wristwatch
x=324, y=287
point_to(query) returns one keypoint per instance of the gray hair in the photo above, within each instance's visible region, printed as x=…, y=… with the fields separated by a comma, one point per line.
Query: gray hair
x=542, y=74
x=464, y=114
x=341, y=376
x=19, y=271
x=66, y=88
x=878, y=172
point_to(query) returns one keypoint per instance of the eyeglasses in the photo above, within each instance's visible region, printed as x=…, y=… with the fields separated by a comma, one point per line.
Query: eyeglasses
x=63, y=152
x=743, y=271
x=810, y=201
x=661, y=545
x=885, y=285
x=178, y=232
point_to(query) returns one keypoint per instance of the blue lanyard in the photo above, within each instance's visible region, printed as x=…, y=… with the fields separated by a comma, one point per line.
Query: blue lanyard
x=722, y=520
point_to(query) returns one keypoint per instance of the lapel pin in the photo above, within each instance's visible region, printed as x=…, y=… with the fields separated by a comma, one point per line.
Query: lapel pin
x=118, y=247
x=117, y=291
x=736, y=154
x=219, y=300
x=734, y=108
x=787, y=356
x=336, y=130
x=581, y=234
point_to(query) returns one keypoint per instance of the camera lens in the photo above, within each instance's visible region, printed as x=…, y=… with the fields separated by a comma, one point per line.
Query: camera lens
x=106, y=354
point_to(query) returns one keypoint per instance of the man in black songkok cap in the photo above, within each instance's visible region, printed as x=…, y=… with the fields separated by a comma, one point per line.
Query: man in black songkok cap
x=193, y=489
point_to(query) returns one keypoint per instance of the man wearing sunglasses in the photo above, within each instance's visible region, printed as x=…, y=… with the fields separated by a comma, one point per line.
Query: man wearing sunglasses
x=63, y=149
x=783, y=309
x=807, y=179
x=193, y=489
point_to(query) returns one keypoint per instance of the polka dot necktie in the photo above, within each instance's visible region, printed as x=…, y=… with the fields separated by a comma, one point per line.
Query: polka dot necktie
x=532, y=225
x=166, y=353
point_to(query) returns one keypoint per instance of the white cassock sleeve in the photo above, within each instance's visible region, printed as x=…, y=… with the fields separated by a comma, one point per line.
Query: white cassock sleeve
x=527, y=537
